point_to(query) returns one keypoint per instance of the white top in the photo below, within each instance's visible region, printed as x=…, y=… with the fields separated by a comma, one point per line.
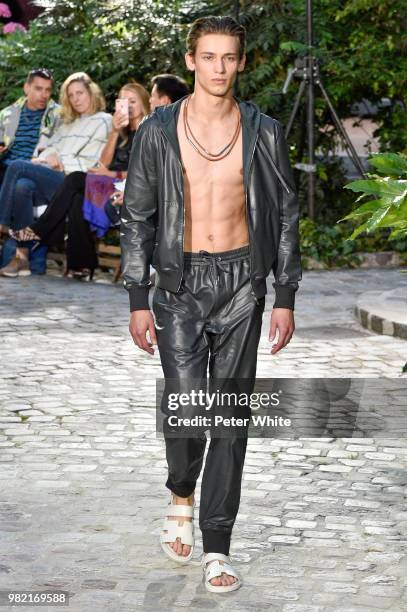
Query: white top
x=79, y=144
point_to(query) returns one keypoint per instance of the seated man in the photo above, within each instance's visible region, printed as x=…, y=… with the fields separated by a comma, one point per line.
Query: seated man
x=27, y=125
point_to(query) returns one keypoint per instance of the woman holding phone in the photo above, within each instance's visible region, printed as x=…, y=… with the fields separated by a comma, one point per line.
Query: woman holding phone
x=70, y=202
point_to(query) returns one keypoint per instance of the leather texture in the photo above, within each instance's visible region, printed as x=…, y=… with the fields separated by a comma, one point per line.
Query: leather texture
x=153, y=215
x=212, y=325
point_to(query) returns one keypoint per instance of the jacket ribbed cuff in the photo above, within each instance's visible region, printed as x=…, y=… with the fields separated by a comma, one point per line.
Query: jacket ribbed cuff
x=139, y=298
x=285, y=297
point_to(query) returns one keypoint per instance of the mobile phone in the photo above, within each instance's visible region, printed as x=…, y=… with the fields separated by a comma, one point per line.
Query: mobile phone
x=122, y=105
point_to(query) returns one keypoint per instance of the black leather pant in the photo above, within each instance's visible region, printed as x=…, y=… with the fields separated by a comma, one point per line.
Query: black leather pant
x=213, y=320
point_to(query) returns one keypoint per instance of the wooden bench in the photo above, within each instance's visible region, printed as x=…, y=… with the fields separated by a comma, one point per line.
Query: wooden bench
x=110, y=257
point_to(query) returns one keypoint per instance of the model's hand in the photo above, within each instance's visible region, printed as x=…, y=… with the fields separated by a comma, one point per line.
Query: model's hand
x=2, y=149
x=141, y=322
x=282, y=319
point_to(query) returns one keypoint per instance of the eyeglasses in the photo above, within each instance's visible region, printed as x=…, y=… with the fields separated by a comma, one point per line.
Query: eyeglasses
x=41, y=72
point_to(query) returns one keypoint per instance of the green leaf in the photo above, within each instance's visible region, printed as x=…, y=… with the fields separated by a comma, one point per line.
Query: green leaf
x=398, y=233
x=396, y=216
x=367, y=207
x=291, y=45
x=358, y=231
x=376, y=218
x=367, y=186
x=392, y=164
x=383, y=186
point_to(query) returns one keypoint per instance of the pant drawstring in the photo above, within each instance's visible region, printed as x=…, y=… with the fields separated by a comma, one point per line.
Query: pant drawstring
x=215, y=262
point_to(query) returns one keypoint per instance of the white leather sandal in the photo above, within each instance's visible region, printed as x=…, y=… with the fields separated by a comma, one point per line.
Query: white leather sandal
x=172, y=530
x=215, y=569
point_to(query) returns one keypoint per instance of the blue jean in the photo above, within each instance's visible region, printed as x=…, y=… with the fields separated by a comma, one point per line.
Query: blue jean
x=37, y=257
x=25, y=185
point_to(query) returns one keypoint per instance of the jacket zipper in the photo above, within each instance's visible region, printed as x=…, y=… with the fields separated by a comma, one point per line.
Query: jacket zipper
x=247, y=215
x=183, y=222
x=183, y=207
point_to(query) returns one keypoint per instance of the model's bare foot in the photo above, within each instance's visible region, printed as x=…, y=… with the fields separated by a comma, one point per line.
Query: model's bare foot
x=224, y=579
x=177, y=546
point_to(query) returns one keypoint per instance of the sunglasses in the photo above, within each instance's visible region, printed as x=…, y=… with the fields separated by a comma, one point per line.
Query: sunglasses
x=41, y=72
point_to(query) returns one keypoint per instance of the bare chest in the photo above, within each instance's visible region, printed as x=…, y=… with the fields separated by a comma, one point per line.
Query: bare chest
x=227, y=171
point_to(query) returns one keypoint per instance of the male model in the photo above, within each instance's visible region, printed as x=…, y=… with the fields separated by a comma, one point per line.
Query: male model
x=210, y=202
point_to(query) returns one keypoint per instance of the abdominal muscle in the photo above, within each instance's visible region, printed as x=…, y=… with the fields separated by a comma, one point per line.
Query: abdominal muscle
x=215, y=208
x=215, y=221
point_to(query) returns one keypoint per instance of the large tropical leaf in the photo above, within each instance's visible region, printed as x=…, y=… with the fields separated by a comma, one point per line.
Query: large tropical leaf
x=377, y=218
x=398, y=233
x=368, y=207
x=390, y=164
x=396, y=217
x=380, y=187
x=358, y=230
x=390, y=209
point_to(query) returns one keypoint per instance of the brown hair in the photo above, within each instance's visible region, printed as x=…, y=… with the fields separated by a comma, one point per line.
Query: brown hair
x=97, y=99
x=215, y=25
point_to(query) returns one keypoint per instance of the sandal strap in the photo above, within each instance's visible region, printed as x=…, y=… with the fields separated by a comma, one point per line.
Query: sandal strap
x=172, y=530
x=180, y=510
x=215, y=569
x=214, y=556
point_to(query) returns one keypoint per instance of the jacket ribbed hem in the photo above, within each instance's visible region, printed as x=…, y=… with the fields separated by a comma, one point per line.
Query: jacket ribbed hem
x=285, y=297
x=139, y=298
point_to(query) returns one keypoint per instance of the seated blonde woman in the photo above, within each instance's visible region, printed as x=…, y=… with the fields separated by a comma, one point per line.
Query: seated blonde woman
x=70, y=200
x=75, y=145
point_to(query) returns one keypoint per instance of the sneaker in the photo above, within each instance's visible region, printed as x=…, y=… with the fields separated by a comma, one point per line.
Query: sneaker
x=16, y=267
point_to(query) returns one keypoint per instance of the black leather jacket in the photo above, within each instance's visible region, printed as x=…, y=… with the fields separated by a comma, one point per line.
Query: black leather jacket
x=152, y=226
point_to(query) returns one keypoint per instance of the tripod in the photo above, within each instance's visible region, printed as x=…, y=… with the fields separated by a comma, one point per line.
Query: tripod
x=307, y=69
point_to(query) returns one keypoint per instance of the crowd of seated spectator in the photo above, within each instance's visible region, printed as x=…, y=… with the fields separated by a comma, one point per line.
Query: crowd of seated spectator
x=69, y=161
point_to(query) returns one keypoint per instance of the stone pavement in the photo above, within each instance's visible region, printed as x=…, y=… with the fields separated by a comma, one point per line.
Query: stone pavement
x=322, y=522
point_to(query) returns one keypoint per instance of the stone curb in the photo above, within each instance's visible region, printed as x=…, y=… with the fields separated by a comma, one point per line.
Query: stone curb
x=380, y=259
x=382, y=312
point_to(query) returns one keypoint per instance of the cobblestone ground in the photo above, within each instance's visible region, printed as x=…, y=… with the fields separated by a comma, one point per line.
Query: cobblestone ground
x=322, y=523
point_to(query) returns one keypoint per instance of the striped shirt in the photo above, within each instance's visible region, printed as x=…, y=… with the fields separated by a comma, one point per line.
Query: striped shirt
x=27, y=135
x=79, y=144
